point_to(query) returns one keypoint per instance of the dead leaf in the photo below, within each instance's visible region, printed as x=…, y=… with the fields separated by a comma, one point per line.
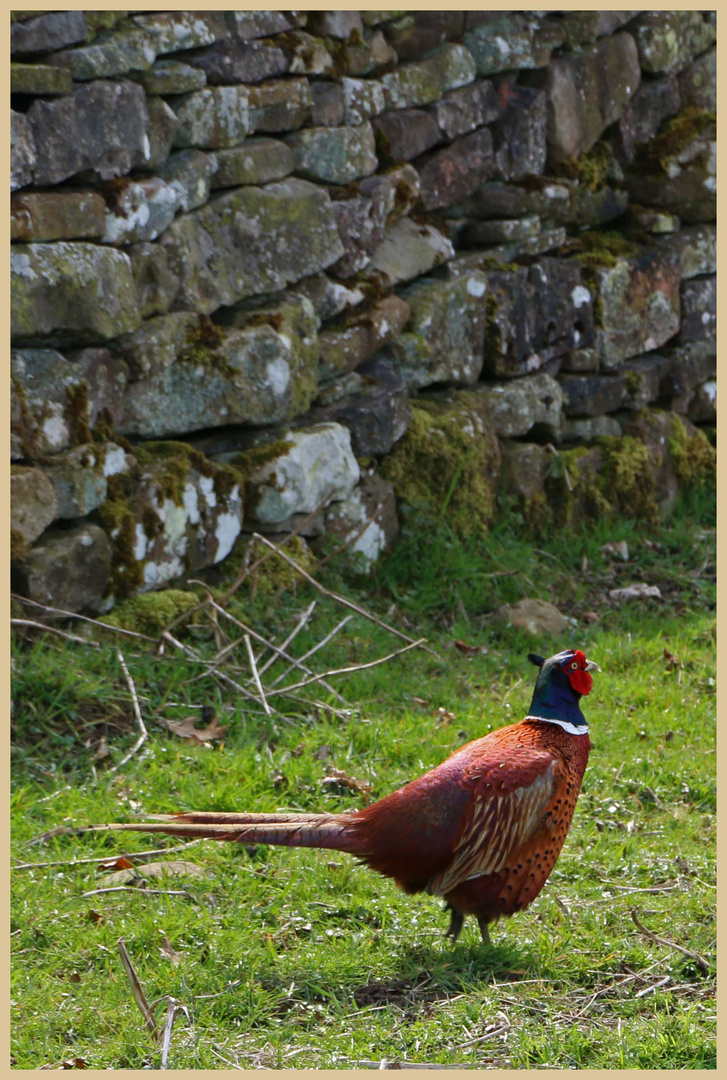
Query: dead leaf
x=121, y=863
x=185, y=729
x=102, y=750
x=153, y=870
x=74, y=977
x=279, y=779
x=298, y=750
x=339, y=778
x=96, y=917
x=591, y=616
x=469, y=650
x=420, y=701
x=671, y=660
x=444, y=716
x=166, y=950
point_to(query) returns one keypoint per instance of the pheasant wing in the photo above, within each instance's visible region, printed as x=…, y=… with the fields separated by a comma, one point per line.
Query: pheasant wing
x=506, y=807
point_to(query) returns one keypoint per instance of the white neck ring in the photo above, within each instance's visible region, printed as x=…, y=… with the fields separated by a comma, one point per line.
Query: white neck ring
x=572, y=729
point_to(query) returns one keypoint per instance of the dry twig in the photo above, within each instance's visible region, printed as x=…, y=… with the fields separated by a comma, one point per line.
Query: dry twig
x=291, y=636
x=167, y=1034
x=319, y=645
x=137, y=991
x=346, y=670
x=83, y=618
x=137, y=713
x=701, y=963
x=103, y=858
x=255, y=675
x=54, y=630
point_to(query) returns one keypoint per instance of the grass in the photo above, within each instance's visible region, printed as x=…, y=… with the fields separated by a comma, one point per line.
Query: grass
x=331, y=965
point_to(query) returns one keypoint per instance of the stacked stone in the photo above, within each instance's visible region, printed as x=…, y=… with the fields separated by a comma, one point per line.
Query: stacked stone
x=277, y=270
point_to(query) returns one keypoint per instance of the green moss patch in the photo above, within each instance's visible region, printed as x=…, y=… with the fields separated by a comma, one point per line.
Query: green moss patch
x=151, y=613
x=693, y=458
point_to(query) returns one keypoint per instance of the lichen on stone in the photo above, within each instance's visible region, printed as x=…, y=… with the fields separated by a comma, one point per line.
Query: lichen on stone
x=674, y=137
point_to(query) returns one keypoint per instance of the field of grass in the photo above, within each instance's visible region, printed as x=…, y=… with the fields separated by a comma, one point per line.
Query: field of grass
x=303, y=959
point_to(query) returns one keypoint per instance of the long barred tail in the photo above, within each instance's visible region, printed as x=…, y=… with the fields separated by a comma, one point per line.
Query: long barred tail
x=335, y=831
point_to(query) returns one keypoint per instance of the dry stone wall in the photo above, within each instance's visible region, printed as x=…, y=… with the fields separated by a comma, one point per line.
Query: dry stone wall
x=281, y=269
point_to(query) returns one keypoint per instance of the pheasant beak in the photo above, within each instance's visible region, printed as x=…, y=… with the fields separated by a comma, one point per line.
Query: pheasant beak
x=591, y=665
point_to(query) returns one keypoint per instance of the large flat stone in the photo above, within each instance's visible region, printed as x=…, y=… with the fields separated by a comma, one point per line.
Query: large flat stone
x=334, y=155
x=50, y=30
x=212, y=118
x=68, y=569
x=280, y=104
x=155, y=283
x=366, y=521
x=670, y=40
x=231, y=61
x=22, y=150
x=698, y=309
x=262, y=372
x=101, y=127
x=519, y=135
x=360, y=334
x=695, y=247
x=403, y=134
x=36, y=216
x=372, y=402
x=79, y=477
x=257, y=161
x=408, y=250
x=451, y=174
x=72, y=292
x=252, y=240
x=511, y=41
x=33, y=504
x=189, y=174
x=461, y=111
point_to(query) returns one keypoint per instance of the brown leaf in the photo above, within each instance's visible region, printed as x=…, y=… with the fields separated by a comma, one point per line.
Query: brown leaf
x=468, y=650
x=420, y=701
x=152, y=870
x=166, y=950
x=121, y=863
x=102, y=750
x=338, y=777
x=298, y=750
x=185, y=729
x=74, y=977
x=95, y=917
x=671, y=660
x=279, y=779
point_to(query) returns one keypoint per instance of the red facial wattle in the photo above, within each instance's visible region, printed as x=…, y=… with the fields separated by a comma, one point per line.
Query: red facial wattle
x=580, y=679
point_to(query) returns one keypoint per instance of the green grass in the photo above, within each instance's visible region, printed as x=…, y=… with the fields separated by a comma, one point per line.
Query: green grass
x=332, y=965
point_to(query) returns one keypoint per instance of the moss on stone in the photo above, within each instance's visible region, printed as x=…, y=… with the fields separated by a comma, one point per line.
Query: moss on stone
x=633, y=382
x=150, y=613
x=18, y=546
x=590, y=170
x=693, y=458
x=117, y=517
x=444, y=467
x=674, y=137
x=201, y=346
x=76, y=413
x=171, y=462
x=275, y=573
x=250, y=460
x=627, y=480
x=601, y=248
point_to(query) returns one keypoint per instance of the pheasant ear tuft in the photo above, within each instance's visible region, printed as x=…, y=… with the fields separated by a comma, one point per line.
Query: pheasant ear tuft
x=535, y=659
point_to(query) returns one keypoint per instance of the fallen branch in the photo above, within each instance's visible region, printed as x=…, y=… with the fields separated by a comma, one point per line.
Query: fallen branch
x=701, y=963
x=306, y=656
x=137, y=991
x=83, y=618
x=135, y=889
x=302, y=621
x=256, y=677
x=345, y=670
x=339, y=599
x=167, y=1034
x=102, y=859
x=137, y=713
x=53, y=630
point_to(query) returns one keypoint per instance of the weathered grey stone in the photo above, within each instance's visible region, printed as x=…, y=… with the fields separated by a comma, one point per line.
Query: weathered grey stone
x=335, y=24
x=510, y=42
x=253, y=240
x=698, y=309
x=172, y=77
x=362, y=333
x=502, y=231
x=329, y=298
x=57, y=215
x=445, y=339
x=461, y=111
x=174, y=31
x=47, y=32
x=185, y=513
x=71, y=291
x=698, y=82
x=100, y=126
x=587, y=92
x=103, y=60
x=104, y=385
x=306, y=54
x=129, y=42
x=265, y=372
x=79, y=477
x=591, y=395
x=419, y=32
x=162, y=128
x=653, y=102
x=366, y=55
x=643, y=380
x=373, y=404
x=315, y=466
x=509, y=346
x=657, y=222
x=155, y=283
x=403, y=134
x=361, y=223
x=524, y=467
x=217, y=116
x=39, y=79
x=519, y=136
x=451, y=174
x=138, y=209
x=426, y=81
x=257, y=161
x=638, y=305
x=518, y=407
x=408, y=250
x=536, y=617
x=366, y=520
x=257, y=24
x=690, y=366
x=703, y=406
x=69, y=569
x=327, y=108
x=696, y=249
x=189, y=174
x=669, y=40
x=335, y=155
x=588, y=429
x=583, y=27
x=362, y=99
x=33, y=504
x=45, y=387
x=231, y=61
x=398, y=189
x=280, y=105
x=677, y=170
x=157, y=344
x=22, y=151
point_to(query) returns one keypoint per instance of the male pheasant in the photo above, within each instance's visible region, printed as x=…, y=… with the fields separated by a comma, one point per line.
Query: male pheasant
x=482, y=830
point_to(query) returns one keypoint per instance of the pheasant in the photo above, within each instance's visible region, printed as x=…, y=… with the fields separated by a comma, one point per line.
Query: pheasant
x=483, y=830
